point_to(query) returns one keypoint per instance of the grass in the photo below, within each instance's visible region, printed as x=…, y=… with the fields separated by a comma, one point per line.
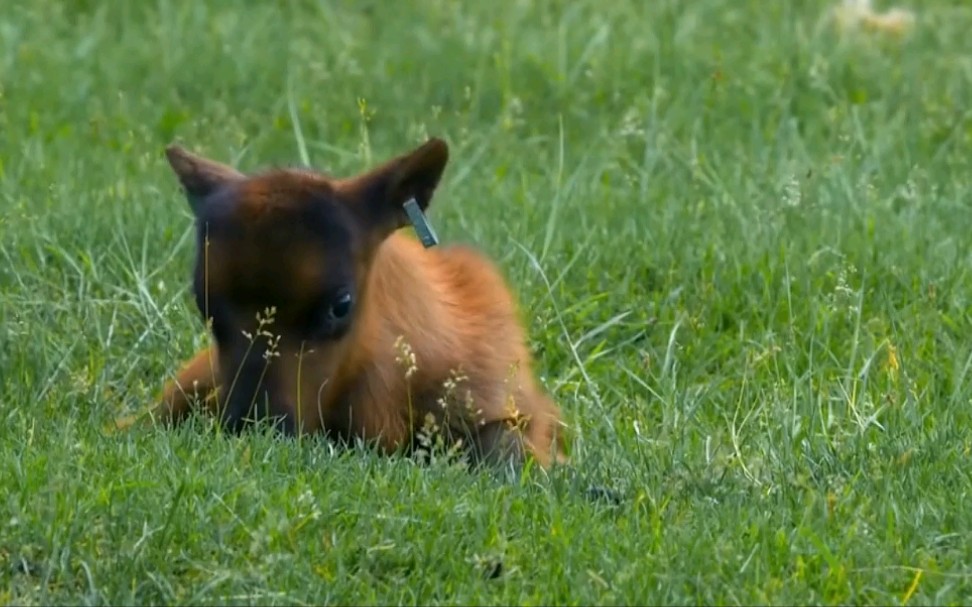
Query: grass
x=741, y=243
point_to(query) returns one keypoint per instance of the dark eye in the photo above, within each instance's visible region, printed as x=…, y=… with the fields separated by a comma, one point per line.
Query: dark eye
x=341, y=306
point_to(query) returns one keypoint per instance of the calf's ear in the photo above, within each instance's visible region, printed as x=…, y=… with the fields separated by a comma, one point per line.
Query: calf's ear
x=199, y=176
x=379, y=194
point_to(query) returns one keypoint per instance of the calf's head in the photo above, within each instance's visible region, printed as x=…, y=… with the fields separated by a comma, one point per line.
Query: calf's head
x=281, y=268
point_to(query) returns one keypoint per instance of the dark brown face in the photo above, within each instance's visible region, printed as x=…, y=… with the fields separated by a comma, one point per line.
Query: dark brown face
x=298, y=255
x=281, y=269
x=277, y=273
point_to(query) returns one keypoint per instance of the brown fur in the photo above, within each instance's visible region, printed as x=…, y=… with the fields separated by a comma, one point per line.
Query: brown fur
x=296, y=240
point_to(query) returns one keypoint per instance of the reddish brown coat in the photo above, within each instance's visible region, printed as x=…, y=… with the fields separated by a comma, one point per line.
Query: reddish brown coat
x=307, y=245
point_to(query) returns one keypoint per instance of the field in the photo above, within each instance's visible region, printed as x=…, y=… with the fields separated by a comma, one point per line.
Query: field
x=741, y=243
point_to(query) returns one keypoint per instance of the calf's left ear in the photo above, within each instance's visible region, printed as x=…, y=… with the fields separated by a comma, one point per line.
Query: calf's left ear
x=379, y=194
x=199, y=176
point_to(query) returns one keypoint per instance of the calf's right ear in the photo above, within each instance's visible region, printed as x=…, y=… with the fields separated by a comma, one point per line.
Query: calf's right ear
x=199, y=176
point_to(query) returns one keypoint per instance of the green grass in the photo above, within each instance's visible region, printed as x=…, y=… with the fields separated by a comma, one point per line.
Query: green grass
x=741, y=243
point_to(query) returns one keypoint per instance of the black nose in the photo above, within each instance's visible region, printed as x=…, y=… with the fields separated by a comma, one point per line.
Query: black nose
x=245, y=405
x=248, y=389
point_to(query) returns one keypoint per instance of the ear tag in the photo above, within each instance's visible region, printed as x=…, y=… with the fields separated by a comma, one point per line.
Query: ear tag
x=422, y=226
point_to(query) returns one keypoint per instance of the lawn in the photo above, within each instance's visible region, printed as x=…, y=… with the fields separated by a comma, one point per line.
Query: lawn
x=740, y=240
